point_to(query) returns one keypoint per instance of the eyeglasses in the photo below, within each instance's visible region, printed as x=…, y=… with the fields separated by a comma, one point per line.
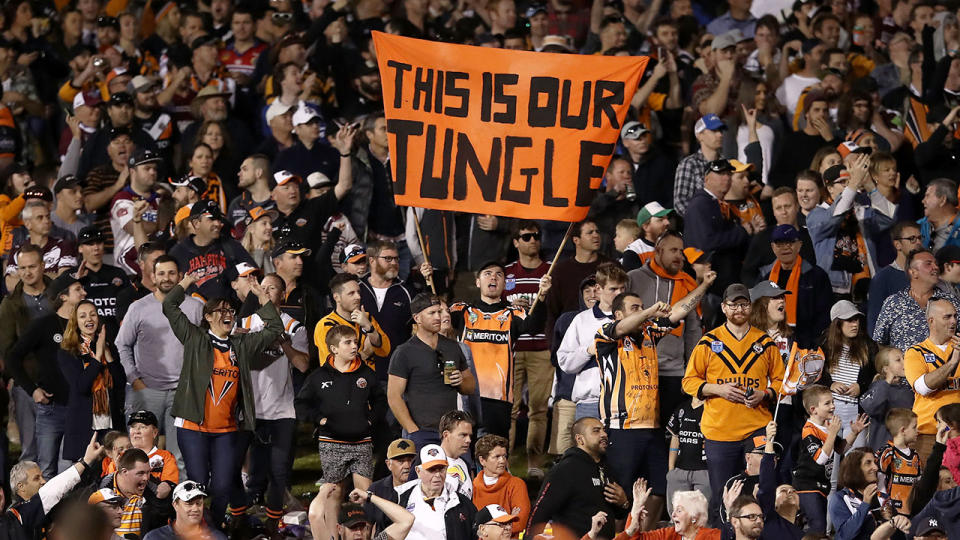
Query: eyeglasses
x=739, y=306
x=914, y=238
x=750, y=517
x=390, y=258
x=529, y=237
x=223, y=311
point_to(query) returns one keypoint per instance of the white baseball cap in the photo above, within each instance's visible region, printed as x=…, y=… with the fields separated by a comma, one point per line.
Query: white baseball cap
x=276, y=109
x=432, y=455
x=304, y=115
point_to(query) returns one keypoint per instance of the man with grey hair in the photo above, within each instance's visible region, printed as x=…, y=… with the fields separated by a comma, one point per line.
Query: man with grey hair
x=940, y=225
x=58, y=254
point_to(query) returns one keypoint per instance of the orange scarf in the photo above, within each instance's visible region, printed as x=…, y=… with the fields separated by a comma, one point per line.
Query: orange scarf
x=101, y=385
x=793, y=285
x=683, y=285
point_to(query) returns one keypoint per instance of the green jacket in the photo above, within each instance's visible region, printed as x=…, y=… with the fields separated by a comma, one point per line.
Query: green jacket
x=198, y=360
x=13, y=313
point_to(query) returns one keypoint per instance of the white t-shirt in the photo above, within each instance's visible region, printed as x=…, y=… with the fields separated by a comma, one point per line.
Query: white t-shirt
x=457, y=469
x=381, y=295
x=273, y=385
x=789, y=92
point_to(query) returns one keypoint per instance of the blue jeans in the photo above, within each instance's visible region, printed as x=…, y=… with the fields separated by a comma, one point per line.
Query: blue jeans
x=26, y=415
x=814, y=506
x=50, y=427
x=588, y=409
x=211, y=459
x=270, y=462
x=725, y=459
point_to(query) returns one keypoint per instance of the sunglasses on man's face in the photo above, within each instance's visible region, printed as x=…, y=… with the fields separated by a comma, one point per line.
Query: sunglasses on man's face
x=529, y=237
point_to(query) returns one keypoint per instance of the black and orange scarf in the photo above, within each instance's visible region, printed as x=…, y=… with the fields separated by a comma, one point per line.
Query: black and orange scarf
x=683, y=284
x=793, y=285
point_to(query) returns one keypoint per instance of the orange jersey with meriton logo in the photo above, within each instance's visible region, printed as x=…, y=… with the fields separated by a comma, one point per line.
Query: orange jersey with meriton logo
x=222, y=398
x=488, y=334
x=923, y=358
x=901, y=470
x=752, y=362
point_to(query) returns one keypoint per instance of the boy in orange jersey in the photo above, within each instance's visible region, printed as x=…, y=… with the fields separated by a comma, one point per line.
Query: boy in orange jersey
x=818, y=447
x=900, y=464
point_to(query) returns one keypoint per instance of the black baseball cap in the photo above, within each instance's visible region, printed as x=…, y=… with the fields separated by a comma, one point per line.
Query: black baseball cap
x=90, y=235
x=61, y=284
x=489, y=264
x=195, y=183
x=423, y=301
x=38, y=192
x=291, y=246
x=120, y=98
x=142, y=157
x=720, y=166
x=66, y=182
x=206, y=208
x=143, y=417
x=734, y=291
x=207, y=39
x=351, y=514
x=119, y=132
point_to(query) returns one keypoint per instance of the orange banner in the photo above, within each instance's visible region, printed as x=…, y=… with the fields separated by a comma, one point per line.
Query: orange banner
x=494, y=131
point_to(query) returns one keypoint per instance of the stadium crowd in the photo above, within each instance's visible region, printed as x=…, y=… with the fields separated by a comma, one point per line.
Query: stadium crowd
x=753, y=334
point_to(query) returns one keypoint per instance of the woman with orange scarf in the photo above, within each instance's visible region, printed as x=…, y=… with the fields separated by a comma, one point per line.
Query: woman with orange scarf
x=96, y=381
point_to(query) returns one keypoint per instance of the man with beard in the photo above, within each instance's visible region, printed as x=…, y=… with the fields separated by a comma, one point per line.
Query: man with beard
x=366, y=97
x=372, y=341
x=254, y=180
x=120, y=110
x=803, y=144
x=734, y=409
x=151, y=354
x=386, y=297
x=747, y=518
x=789, y=92
x=579, y=486
x=147, y=116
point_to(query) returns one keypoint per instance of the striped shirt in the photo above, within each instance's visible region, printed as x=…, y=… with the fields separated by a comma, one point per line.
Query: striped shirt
x=525, y=282
x=132, y=513
x=846, y=372
x=630, y=392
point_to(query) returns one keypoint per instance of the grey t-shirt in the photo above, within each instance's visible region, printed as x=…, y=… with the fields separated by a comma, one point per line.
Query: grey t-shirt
x=37, y=306
x=426, y=396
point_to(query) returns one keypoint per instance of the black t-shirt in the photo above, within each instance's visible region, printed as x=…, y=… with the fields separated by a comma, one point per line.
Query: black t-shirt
x=102, y=288
x=685, y=424
x=426, y=396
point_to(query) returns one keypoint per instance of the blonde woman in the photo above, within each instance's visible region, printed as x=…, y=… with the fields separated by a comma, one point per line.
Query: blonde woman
x=258, y=237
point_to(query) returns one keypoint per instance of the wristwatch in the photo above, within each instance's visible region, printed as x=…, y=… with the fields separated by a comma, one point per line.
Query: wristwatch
x=369, y=495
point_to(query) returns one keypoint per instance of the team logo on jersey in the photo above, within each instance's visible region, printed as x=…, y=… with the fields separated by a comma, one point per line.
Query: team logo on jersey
x=503, y=316
x=57, y=338
x=116, y=282
x=361, y=383
x=511, y=283
x=628, y=345
x=757, y=348
x=301, y=222
x=929, y=358
x=326, y=384
x=716, y=346
x=473, y=317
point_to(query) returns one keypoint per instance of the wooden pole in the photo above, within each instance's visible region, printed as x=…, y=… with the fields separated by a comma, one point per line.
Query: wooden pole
x=554, y=263
x=423, y=249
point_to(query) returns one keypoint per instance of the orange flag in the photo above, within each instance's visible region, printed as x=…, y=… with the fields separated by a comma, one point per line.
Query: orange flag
x=501, y=132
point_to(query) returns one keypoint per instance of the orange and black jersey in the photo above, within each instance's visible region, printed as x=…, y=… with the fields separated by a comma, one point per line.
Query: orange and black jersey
x=810, y=474
x=490, y=330
x=629, y=390
x=222, y=400
x=752, y=362
x=901, y=470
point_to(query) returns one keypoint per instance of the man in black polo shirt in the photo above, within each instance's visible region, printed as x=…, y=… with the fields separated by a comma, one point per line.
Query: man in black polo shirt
x=103, y=282
x=416, y=391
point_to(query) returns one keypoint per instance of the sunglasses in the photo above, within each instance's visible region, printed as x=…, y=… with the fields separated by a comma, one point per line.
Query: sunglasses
x=282, y=17
x=529, y=237
x=191, y=485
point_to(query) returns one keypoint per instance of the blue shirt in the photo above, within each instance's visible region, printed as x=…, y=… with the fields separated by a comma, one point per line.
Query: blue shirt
x=726, y=23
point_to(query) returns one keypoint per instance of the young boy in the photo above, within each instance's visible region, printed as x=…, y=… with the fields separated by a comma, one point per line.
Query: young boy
x=342, y=398
x=143, y=429
x=818, y=447
x=627, y=233
x=899, y=463
x=115, y=443
x=740, y=195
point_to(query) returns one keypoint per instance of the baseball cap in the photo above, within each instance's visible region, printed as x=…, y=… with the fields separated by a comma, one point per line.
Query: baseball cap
x=352, y=514
x=120, y=98
x=245, y=269
x=106, y=20
x=633, y=130
x=925, y=525
x=533, y=9
x=809, y=45
x=555, y=43
x=210, y=91
x=106, y=495
x=141, y=83
x=652, y=210
x=402, y=447
x=86, y=99
x=182, y=213
x=354, y=253
x=720, y=166
x=143, y=157
x=258, y=212
x=709, y=121
x=757, y=443
x=432, y=455
x=948, y=254
x=116, y=132
x=206, y=208
x=844, y=310
x=292, y=247
x=494, y=513
x=694, y=255
x=143, y=417
x=276, y=109
x=766, y=289
x=118, y=72
x=189, y=490
x=61, y=284
x=784, y=233
x=727, y=39
x=849, y=147
x=282, y=177
x=318, y=180
x=206, y=39
x=38, y=192
x=734, y=291
x=195, y=183
x=90, y=235
x=739, y=166
x=305, y=115
x=423, y=301
x=67, y=181
x=835, y=174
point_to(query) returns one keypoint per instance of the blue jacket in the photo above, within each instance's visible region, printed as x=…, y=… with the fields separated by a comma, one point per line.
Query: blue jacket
x=850, y=524
x=813, y=305
x=926, y=231
x=824, y=223
x=707, y=229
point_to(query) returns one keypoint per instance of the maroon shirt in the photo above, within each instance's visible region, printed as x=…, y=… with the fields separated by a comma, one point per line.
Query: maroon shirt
x=522, y=281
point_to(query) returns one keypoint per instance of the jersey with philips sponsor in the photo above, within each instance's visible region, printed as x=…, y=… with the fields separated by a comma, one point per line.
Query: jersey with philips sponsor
x=490, y=330
x=121, y=212
x=222, y=400
x=919, y=360
x=629, y=390
x=522, y=282
x=901, y=470
x=810, y=474
x=753, y=362
x=684, y=424
x=102, y=288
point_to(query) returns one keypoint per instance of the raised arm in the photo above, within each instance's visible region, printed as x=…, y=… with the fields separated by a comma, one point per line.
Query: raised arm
x=689, y=302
